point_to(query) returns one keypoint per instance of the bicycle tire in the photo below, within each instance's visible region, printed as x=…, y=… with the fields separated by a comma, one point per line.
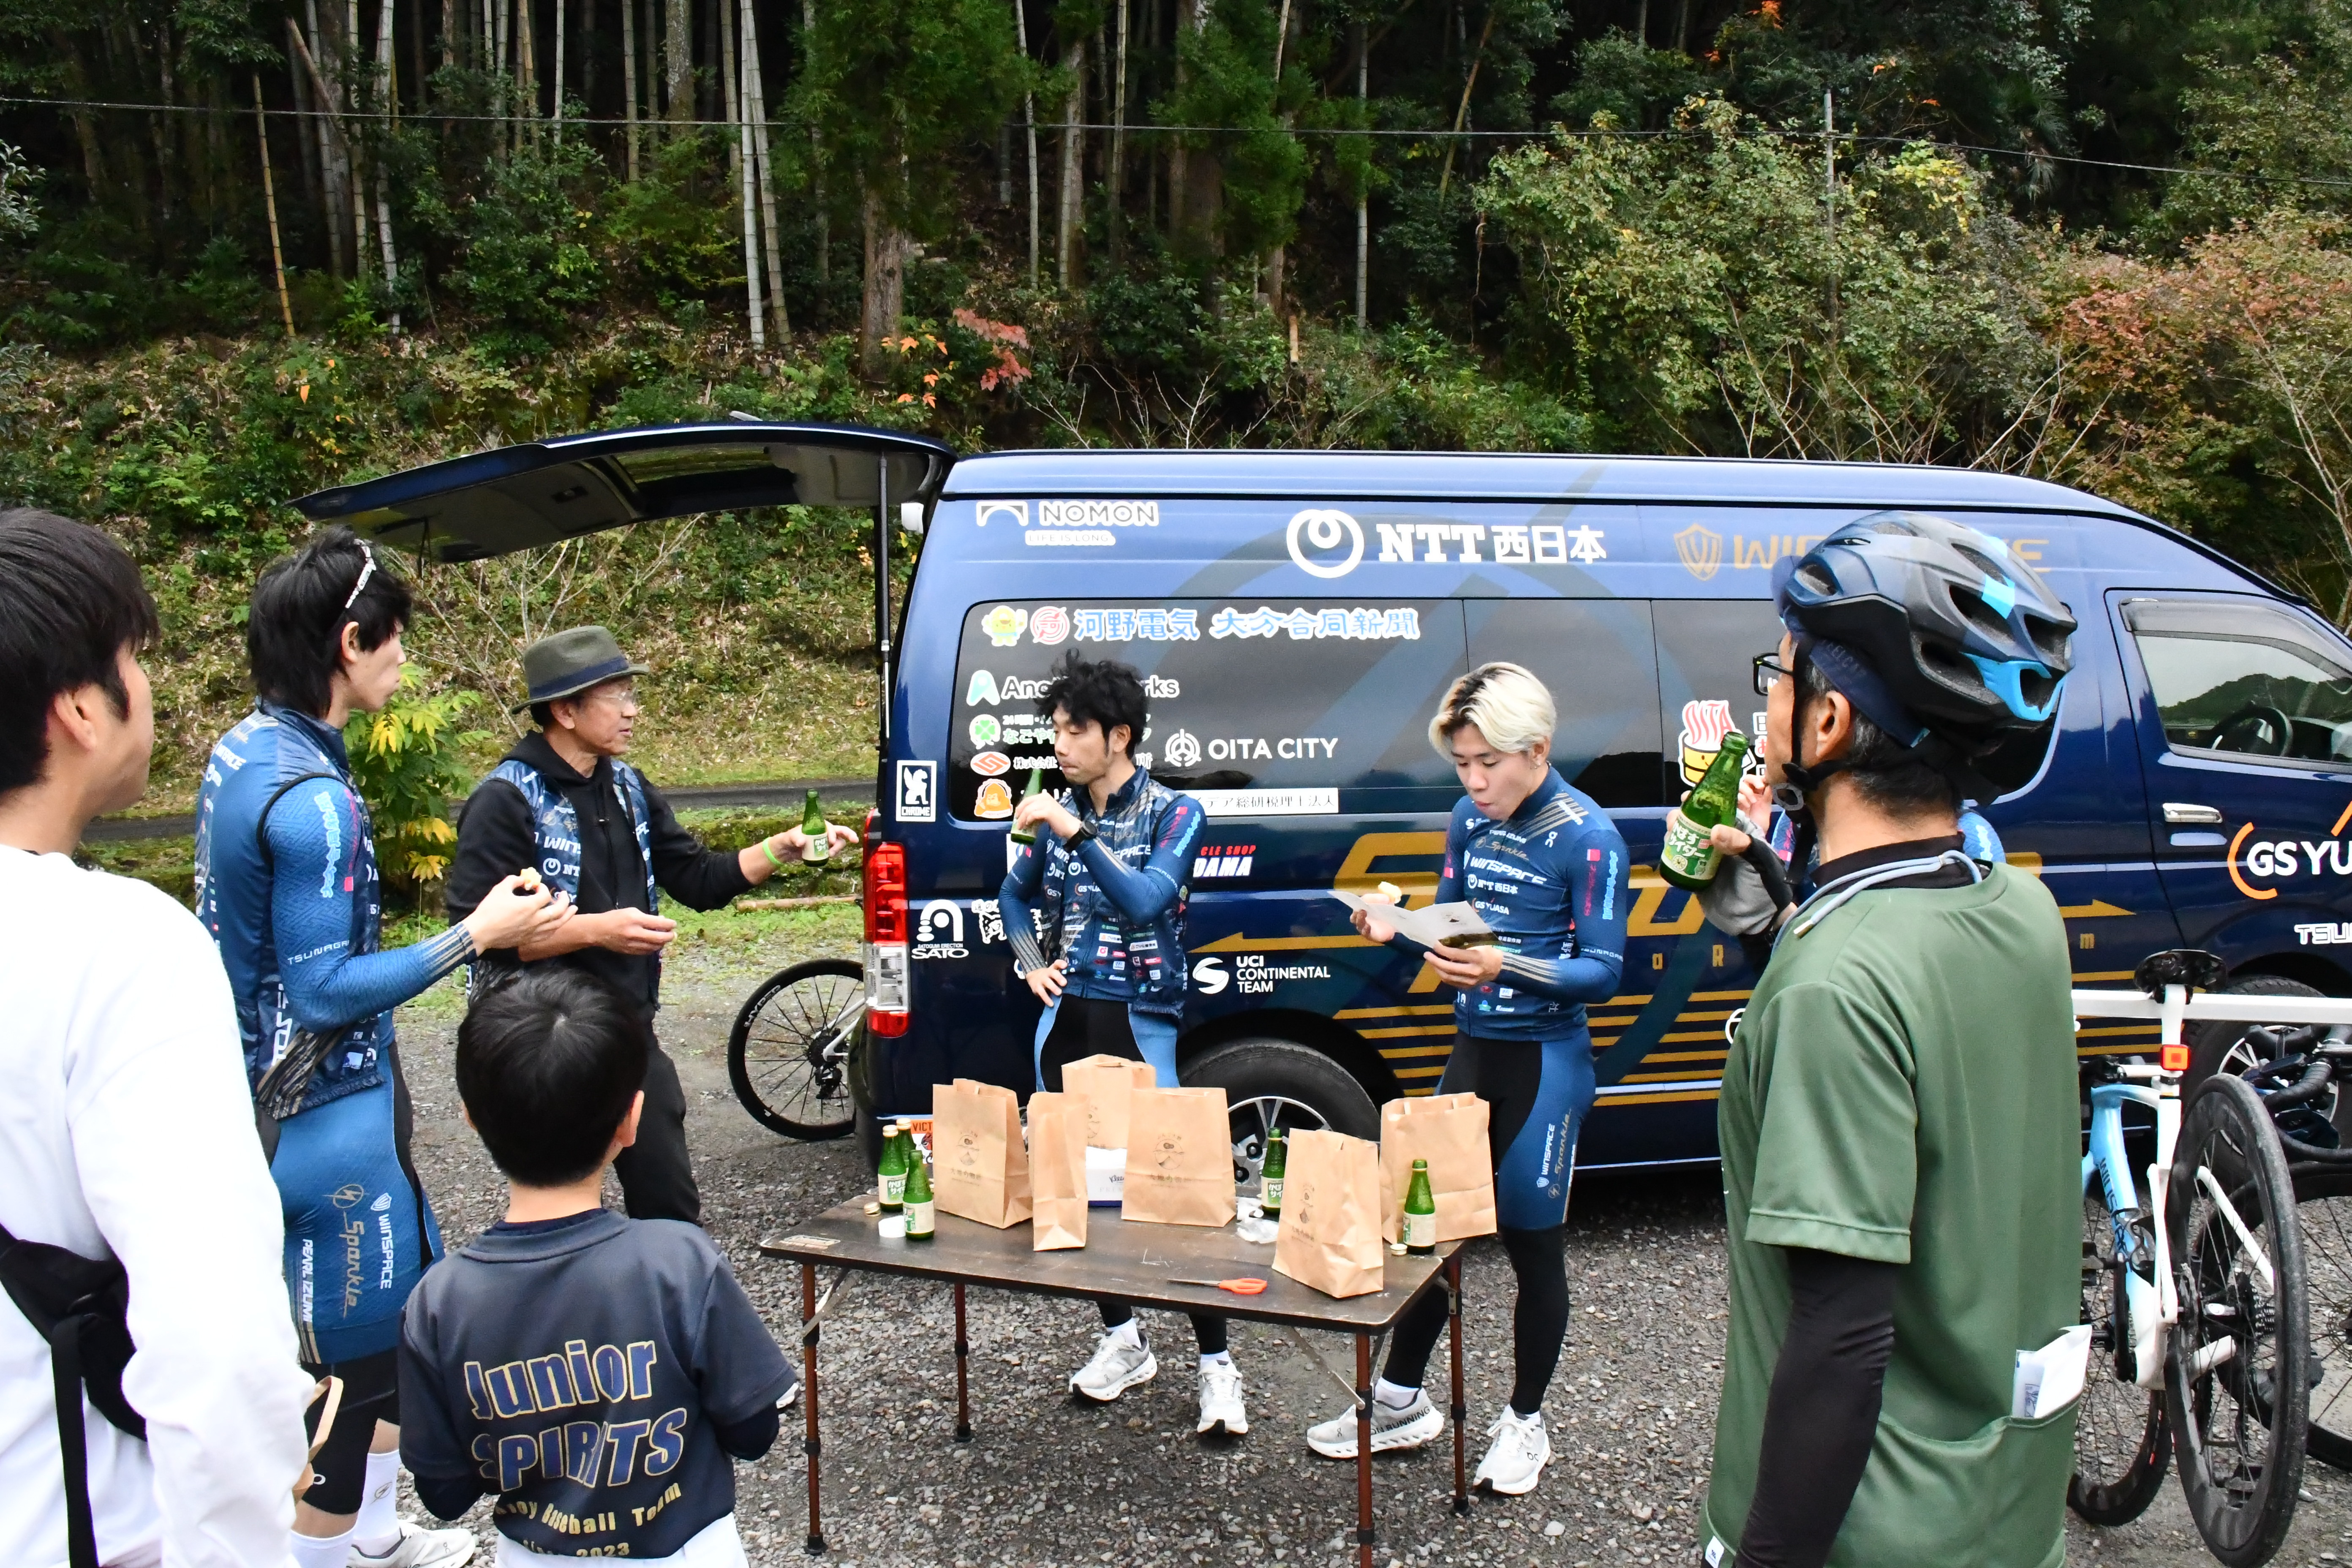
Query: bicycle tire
x=2323, y=1201
x=2238, y=1425
x=780, y=1042
x=2123, y=1445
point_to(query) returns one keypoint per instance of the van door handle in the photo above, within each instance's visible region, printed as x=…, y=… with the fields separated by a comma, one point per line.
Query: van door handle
x=2184, y=810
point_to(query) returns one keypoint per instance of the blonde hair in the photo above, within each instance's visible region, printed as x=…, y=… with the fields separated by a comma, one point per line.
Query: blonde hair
x=1511, y=708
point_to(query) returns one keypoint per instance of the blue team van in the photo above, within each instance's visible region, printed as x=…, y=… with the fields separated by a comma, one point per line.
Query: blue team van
x=1295, y=617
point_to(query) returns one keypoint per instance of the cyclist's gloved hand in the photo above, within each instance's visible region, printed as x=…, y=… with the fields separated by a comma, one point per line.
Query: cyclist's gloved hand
x=1749, y=895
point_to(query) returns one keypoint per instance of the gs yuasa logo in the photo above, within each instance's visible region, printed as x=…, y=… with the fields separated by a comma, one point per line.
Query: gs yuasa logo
x=2268, y=859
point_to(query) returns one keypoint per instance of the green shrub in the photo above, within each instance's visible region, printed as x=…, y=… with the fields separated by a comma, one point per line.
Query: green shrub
x=409, y=761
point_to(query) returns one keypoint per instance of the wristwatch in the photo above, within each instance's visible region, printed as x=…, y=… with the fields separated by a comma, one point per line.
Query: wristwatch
x=1085, y=832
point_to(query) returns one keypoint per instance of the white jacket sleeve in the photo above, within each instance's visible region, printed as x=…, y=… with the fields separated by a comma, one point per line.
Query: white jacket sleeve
x=163, y=1142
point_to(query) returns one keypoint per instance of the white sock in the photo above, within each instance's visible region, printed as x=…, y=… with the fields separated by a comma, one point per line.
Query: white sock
x=378, y=1529
x=1395, y=1396
x=320, y=1550
x=1129, y=1333
x=1218, y=1358
x=1533, y=1418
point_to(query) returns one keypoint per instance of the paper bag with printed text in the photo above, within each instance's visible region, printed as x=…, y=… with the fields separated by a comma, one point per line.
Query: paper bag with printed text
x=1449, y=1130
x=1330, y=1238
x=1180, y=1158
x=981, y=1168
x=1101, y=1086
x=1058, y=1173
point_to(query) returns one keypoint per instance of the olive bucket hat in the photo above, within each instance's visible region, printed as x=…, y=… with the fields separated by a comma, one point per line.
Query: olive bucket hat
x=569, y=662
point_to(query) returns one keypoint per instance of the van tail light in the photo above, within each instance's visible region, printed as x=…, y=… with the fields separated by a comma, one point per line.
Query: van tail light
x=886, y=936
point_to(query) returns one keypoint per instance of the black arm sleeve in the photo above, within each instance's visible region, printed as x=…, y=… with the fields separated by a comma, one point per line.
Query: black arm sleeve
x=697, y=878
x=448, y=1496
x=494, y=840
x=749, y=1438
x=1824, y=1407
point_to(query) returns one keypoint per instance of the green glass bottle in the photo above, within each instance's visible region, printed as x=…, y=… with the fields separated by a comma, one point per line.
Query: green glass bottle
x=1419, y=1212
x=891, y=1174
x=1037, y=786
x=1277, y=1156
x=819, y=845
x=922, y=1223
x=1688, y=859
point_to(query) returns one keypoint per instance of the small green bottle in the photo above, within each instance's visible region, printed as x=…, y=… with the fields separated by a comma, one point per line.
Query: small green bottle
x=1037, y=786
x=891, y=1174
x=820, y=843
x=1687, y=858
x=1277, y=1155
x=1419, y=1212
x=920, y=1224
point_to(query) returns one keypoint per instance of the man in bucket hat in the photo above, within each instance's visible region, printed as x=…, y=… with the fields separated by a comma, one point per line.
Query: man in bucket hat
x=600, y=834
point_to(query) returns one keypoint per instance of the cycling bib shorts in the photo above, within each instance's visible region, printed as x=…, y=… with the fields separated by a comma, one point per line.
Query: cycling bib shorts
x=359, y=1233
x=1537, y=1093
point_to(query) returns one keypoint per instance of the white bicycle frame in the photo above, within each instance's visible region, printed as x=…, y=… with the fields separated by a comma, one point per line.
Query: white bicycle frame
x=2172, y=1012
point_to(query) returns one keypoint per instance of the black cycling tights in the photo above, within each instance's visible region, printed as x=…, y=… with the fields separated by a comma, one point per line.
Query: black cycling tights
x=1538, y=1320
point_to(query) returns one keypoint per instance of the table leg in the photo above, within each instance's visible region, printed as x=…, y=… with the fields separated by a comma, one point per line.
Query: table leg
x=1364, y=1451
x=1460, y=1411
x=812, y=1444
x=963, y=1357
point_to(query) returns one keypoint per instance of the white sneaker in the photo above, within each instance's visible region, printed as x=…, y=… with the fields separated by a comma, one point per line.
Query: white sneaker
x=1392, y=1428
x=1515, y=1460
x=420, y=1548
x=1221, y=1400
x=1117, y=1366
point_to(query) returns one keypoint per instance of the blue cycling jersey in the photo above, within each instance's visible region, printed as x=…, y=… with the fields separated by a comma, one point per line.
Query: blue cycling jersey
x=1552, y=881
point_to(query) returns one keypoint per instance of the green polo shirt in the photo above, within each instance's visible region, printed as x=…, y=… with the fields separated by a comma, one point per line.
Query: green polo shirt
x=1902, y=1089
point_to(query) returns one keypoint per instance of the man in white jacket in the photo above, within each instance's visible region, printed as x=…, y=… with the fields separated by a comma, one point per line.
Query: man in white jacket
x=126, y=1128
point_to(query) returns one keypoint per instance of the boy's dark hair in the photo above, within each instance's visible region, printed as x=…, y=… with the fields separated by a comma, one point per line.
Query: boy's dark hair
x=547, y=1065
x=1099, y=691
x=1887, y=774
x=71, y=602
x=294, y=627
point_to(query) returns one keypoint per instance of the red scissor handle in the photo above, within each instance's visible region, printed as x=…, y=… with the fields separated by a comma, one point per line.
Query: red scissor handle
x=1243, y=1287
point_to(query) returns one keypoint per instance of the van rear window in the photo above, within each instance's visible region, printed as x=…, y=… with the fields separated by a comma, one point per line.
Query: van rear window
x=1259, y=707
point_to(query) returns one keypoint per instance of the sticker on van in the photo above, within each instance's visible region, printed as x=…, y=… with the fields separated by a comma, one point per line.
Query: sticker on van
x=917, y=791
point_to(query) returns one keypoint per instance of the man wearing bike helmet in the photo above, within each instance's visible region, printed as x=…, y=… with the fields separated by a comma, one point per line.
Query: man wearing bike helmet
x=1898, y=1120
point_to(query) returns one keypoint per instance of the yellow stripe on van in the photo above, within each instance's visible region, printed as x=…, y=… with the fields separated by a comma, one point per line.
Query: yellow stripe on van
x=1419, y=1072
x=1617, y=1099
x=1415, y=1030
x=1392, y=1012
x=1394, y=1053
x=1684, y=1057
x=2113, y=1029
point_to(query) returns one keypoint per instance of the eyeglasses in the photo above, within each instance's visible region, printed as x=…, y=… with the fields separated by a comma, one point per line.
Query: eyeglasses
x=1767, y=672
x=366, y=572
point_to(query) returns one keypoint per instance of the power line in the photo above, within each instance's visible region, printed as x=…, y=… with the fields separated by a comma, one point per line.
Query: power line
x=1439, y=134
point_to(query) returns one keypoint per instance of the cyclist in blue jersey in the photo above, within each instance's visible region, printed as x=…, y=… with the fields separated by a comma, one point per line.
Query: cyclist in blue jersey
x=1544, y=866
x=286, y=883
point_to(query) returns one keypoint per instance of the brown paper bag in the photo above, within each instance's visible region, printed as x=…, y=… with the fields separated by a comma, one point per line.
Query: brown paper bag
x=1102, y=1084
x=1057, y=1171
x=1449, y=1130
x=981, y=1169
x=1180, y=1158
x=1330, y=1238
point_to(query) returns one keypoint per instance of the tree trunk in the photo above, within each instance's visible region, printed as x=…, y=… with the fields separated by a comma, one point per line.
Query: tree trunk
x=1116, y=179
x=555, y=73
x=679, y=61
x=384, y=91
x=763, y=176
x=1074, y=149
x=331, y=183
x=270, y=203
x=734, y=78
x=885, y=283
x=1029, y=126
x=629, y=77
x=1363, y=191
x=816, y=160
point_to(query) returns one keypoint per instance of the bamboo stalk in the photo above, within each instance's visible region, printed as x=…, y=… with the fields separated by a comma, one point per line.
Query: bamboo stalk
x=629, y=77
x=388, y=91
x=816, y=162
x=1029, y=124
x=1117, y=181
x=269, y=201
x=1478, y=58
x=562, y=8
x=764, y=175
x=733, y=79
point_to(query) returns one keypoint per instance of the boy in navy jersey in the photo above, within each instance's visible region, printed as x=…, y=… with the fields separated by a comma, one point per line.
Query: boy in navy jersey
x=599, y=1374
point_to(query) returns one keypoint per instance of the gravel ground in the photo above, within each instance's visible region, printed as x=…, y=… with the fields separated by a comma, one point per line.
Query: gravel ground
x=1047, y=1481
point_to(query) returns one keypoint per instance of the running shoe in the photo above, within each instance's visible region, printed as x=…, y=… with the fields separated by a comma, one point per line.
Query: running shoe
x=1221, y=1400
x=1410, y=1428
x=1117, y=1366
x=419, y=1548
x=1515, y=1458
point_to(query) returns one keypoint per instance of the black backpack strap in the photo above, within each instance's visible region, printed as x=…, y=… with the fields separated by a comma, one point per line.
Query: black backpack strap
x=65, y=1373
x=78, y=1305
x=261, y=823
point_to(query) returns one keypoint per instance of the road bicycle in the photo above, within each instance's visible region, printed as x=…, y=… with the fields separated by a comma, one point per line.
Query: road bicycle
x=2194, y=1285
x=788, y=1054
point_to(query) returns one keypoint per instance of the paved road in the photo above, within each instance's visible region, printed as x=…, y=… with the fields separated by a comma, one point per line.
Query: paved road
x=788, y=791
x=1050, y=1481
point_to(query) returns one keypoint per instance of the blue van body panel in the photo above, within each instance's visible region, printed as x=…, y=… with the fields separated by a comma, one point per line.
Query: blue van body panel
x=1296, y=614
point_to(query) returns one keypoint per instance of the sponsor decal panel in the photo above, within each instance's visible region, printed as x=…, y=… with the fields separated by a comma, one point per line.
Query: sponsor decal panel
x=991, y=765
x=2326, y=933
x=1209, y=976
x=2256, y=857
x=1098, y=515
x=917, y=791
x=1003, y=625
x=1303, y=625
x=1253, y=976
x=1325, y=541
x=1159, y=687
x=985, y=729
x=1217, y=864
x=1182, y=750
x=1049, y=624
x=1313, y=802
x=1134, y=626
x=1511, y=544
x=939, y=930
x=985, y=690
x=995, y=801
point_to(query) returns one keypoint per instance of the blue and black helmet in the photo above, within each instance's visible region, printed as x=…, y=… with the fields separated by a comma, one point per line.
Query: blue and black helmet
x=1958, y=635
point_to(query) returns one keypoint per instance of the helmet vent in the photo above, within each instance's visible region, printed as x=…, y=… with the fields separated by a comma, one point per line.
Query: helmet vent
x=1978, y=614
x=1816, y=576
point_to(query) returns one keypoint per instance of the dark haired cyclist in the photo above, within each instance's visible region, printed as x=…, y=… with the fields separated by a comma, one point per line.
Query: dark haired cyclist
x=1899, y=1120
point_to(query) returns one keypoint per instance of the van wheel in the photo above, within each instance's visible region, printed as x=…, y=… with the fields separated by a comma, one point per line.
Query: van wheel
x=2221, y=1045
x=1271, y=1083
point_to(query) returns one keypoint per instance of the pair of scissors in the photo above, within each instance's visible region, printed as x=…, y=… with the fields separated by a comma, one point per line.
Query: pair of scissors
x=1242, y=1287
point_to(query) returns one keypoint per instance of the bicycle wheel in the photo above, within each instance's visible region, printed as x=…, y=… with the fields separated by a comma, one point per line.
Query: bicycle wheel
x=2122, y=1444
x=2324, y=1205
x=788, y=1054
x=2237, y=1387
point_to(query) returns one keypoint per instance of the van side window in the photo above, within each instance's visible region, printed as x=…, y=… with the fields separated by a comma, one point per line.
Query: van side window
x=1596, y=657
x=1705, y=683
x=2244, y=680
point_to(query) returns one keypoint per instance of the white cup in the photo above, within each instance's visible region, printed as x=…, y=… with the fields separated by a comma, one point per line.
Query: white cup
x=894, y=1228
